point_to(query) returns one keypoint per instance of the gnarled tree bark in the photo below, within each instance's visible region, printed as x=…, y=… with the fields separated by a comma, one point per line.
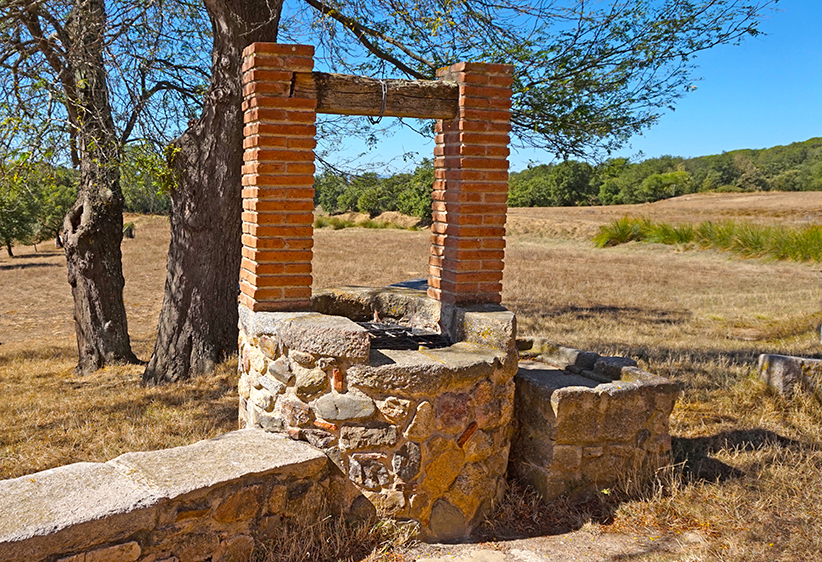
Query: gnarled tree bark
x=93, y=227
x=198, y=321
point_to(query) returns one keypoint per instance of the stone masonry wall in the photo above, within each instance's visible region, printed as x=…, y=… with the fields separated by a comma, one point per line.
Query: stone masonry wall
x=586, y=422
x=213, y=500
x=423, y=434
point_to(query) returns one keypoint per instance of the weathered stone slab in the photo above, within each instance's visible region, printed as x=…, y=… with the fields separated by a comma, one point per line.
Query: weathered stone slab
x=69, y=507
x=169, y=473
x=427, y=372
x=787, y=374
x=310, y=332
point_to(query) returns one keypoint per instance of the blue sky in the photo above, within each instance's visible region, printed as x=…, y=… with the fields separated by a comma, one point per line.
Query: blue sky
x=765, y=92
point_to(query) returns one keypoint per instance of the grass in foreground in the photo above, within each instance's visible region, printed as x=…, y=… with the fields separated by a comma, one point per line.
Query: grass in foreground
x=747, y=240
x=337, y=540
x=53, y=417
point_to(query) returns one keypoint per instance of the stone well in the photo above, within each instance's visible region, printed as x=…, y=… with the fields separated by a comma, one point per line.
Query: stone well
x=424, y=433
x=423, y=430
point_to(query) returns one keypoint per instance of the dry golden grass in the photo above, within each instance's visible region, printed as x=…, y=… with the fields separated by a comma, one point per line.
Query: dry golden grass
x=748, y=472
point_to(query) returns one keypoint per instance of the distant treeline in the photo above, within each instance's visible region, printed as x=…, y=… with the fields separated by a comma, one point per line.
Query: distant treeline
x=796, y=167
x=407, y=193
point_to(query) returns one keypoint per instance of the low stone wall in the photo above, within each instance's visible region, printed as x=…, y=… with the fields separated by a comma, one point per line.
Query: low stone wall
x=788, y=375
x=208, y=501
x=424, y=434
x=576, y=433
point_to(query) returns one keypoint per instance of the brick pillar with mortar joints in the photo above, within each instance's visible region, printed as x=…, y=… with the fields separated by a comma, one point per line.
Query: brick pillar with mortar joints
x=471, y=187
x=278, y=179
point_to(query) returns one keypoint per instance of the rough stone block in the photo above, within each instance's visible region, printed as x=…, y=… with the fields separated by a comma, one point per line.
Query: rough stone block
x=428, y=372
x=360, y=437
x=612, y=366
x=343, y=407
x=787, y=374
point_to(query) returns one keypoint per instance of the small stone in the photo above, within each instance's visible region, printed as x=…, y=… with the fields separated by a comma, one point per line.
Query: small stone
x=301, y=357
x=309, y=381
x=243, y=388
x=271, y=423
x=318, y=438
x=256, y=359
x=446, y=462
x=358, y=437
x=422, y=426
x=406, y=461
x=239, y=506
x=447, y=523
x=254, y=379
x=337, y=380
x=128, y=552
x=294, y=411
x=367, y=472
x=281, y=370
x=612, y=367
x=272, y=385
x=394, y=409
x=453, y=411
x=235, y=549
x=270, y=347
x=388, y=503
x=348, y=406
x=326, y=363
x=479, y=446
x=262, y=399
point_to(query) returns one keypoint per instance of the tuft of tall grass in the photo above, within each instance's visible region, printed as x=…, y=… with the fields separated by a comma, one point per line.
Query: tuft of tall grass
x=334, y=222
x=745, y=239
x=620, y=231
x=664, y=233
x=337, y=223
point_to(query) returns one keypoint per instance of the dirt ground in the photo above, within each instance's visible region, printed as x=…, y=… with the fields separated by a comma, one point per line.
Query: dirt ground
x=698, y=317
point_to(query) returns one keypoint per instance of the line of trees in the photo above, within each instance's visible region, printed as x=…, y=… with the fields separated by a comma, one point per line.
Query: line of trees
x=795, y=167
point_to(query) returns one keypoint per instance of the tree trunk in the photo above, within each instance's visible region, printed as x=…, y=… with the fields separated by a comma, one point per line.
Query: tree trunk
x=8, y=248
x=93, y=227
x=198, y=321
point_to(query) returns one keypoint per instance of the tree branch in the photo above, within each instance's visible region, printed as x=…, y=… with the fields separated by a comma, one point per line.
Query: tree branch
x=360, y=32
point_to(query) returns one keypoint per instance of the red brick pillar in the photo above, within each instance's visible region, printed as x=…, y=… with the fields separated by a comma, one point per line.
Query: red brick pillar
x=278, y=179
x=471, y=187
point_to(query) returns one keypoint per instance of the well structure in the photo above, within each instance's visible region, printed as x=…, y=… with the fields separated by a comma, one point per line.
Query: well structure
x=422, y=430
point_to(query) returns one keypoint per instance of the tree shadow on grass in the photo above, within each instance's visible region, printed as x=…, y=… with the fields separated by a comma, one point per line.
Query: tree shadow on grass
x=40, y=353
x=14, y=266
x=694, y=453
x=598, y=312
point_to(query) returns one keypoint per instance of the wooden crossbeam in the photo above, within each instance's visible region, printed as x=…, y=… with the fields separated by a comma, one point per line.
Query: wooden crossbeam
x=343, y=94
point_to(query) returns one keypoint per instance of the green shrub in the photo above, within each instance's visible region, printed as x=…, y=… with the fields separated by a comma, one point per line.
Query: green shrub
x=748, y=240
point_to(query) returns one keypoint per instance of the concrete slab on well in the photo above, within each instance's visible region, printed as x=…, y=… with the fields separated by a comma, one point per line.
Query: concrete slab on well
x=170, y=473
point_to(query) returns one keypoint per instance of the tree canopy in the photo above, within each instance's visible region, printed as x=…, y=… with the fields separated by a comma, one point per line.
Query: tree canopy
x=588, y=75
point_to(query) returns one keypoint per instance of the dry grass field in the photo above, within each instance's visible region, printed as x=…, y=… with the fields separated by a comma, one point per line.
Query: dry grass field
x=747, y=473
